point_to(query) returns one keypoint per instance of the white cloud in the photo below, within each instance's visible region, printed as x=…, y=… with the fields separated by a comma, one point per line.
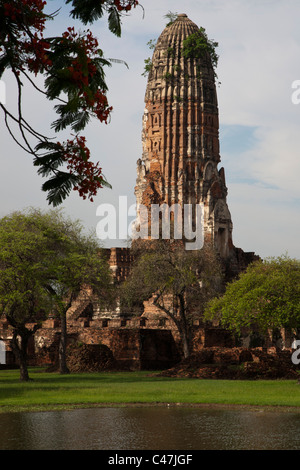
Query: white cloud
x=264, y=218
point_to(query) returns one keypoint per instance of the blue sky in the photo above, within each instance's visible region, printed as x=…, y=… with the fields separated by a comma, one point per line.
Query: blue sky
x=259, y=49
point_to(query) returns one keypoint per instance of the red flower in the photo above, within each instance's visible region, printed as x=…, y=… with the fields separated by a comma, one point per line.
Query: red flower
x=89, y=175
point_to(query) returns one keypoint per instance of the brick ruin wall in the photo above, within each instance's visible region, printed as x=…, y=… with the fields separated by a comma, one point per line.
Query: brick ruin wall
x=135, y=343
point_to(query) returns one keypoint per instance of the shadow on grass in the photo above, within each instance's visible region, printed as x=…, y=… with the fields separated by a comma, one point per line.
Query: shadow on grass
x=39, y=376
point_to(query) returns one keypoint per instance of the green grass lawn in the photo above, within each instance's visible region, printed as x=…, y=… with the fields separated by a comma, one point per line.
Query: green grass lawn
x=55, y=391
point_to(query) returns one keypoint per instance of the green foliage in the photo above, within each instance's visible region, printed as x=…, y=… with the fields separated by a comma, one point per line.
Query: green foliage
x=148, y=62
x=177, y=272
x=60, y=83
x=78, y=262
x=148, y=67
x=82, y=175
x=197, y=46
x=170, y=52
x=114, y=21
x=46, y=261
x=151, y=44
x=45, y=254
x=22, y=270
x=168, y=76
x=266, y=296
x=90, y=11
x=171, y=17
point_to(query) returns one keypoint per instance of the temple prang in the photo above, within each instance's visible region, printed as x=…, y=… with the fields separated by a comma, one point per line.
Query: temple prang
x=180, y=136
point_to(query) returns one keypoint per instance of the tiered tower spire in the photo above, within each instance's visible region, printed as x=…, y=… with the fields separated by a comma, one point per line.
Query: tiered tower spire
x=180, y=136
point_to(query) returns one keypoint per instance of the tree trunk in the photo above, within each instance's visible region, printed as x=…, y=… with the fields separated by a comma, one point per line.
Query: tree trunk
x=185, y=340
x=184, y=328
x=63, y=368
x=20, y=350
x=180, y=322
x=186, y=345
x=24, y=376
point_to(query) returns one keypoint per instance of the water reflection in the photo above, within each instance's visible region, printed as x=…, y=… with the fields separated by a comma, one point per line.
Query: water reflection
x=153, y=428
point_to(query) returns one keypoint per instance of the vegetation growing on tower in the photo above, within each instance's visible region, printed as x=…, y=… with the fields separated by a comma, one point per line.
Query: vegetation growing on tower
x=195, y=46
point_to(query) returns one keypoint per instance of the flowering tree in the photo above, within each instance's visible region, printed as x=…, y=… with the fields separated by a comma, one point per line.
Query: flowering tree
x=73, y=69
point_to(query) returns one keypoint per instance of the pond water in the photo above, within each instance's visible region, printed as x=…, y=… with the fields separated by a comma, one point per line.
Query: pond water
x=151, y=428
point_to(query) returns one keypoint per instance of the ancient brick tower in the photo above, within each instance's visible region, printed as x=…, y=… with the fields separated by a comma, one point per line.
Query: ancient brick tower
x=179, y=164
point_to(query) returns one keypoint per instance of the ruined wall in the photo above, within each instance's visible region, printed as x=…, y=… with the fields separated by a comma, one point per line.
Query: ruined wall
x=144, y=342
x=133, y=346
x=120, y=260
